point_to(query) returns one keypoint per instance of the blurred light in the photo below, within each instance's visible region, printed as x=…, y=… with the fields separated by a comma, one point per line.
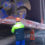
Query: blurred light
x=30, y=25
x=37, y=23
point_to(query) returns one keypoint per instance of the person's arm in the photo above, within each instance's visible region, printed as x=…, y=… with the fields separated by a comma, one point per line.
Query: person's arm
x=13, y=29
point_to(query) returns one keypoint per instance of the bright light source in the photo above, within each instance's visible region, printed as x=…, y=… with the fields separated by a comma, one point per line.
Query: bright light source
x=37, y=23
x=30, y=25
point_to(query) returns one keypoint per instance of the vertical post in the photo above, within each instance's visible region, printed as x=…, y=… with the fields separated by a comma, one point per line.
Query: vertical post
x=15, y=7
x=41, y=9
x=44, y=9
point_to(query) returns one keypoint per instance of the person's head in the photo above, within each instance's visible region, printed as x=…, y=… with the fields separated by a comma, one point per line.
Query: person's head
x=18, y=19
x=32, y=29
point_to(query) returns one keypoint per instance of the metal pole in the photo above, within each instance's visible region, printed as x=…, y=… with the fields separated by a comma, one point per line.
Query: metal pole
x=44, y=10
x=15, y=7
x=40, y=9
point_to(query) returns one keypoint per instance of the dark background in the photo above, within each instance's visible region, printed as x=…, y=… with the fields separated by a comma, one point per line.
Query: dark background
x=34, y=13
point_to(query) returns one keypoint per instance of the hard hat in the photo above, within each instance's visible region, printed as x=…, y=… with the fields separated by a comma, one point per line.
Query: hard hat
x=17, y=19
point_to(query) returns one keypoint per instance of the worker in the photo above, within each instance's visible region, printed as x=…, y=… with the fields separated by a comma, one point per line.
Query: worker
x=32, y=37
x=18, y=29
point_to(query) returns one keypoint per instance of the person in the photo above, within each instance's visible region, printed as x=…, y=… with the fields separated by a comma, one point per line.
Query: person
x=18, y=29
x=32, y=37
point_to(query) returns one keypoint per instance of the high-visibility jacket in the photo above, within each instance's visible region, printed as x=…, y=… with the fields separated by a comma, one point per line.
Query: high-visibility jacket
x=18, y=29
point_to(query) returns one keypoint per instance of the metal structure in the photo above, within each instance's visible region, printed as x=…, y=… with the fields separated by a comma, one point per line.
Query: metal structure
x=25, y=9
x=28, y=23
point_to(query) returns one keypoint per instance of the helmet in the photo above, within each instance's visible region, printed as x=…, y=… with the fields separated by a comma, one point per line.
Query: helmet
x=17, y=19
